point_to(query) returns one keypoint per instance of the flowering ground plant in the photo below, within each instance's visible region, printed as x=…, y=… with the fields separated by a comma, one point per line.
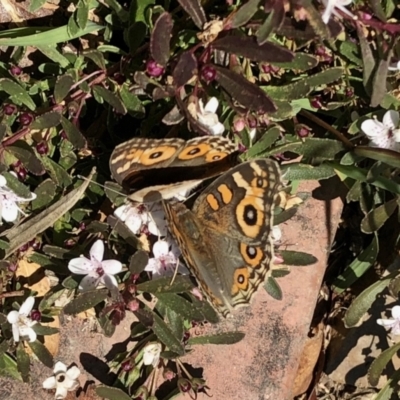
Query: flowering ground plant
x=313, y=85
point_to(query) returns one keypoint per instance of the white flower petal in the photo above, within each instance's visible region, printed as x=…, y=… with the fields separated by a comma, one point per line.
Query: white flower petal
x=208, y=120
x=212, y=105
x=396, y=312
x=89, y=282
x=217, y=129
x=3, y=181
x=109, y=281
x=329, y=7
x=386, y=322
x=97, y=251
x=374, y=128
x=50, y=383
x=391, y=119
x=26, y=306
x=153, y=265
x=13, y=317
x=9, y=211
x=160, y=248
x=111, y=267
x=81, y=266
x=59, y=367
x=61, y=392
x=73, y=372
x=25, y=331
x=122, y=212
x=15, y=331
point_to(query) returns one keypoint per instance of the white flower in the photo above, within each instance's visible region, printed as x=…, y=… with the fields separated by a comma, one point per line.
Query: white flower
x=151, y=354
x=165, y=261
x=208, y=118
x=276, y=233
x=393, y=324
x=21, y=323
x=64, y=380
x=385, y=134
x=9, y=202
x=330, y=6
x=394, y=66
x=140, y=216
x=96, y=270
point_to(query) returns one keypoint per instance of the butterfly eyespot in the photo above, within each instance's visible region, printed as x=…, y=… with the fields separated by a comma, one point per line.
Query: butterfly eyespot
x=155, y=155
x=251, y=252
x=250, y=215
x=194, y=151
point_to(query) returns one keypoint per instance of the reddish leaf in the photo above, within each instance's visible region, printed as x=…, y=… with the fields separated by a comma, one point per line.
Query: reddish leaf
x=195, y=10
x=185, y=69
x=248, y=47
x=245, y=92
x=160, y=38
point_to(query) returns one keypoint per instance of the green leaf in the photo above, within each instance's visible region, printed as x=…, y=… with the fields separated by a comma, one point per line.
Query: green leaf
x=130, y=100
x=180, y=305
x=390, y=387
x=301, y=62
x=82, y=13
x=166, y=336
x=302, y=87
x=266, y=141
x=36, y=4
x=379, y=364
x=54, y=54
x=138, y=262
x=73, y=134
x=112, y=393
x=45, y=193
x=139, y=10
x=244, y=14
x=375, y=218
x=17, y=92
x=43, y=36
x=24, y=153
x=97, y=57
x=390, y=157
x=222, y=338
x=301, y=172
x=8, y=367
x=42, y=353
x=180, y=284
x=360, y=174
x=57, y=173
x=47, y=120
x=16, y=186
x=45, y=330
x=85, y=301
x=363, y=302
x=111, y=98
x=358, y=267
x=297, y=258
x=23, y=362
x=135, y=36
x=272, y=287
x=62, y=87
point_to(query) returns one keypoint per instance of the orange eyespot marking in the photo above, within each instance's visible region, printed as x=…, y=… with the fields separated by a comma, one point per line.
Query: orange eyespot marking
x=251, y=255
x=213, y=202
x=156, y=155
x=241, y=280
x=194, y=151
x=226, y=193
x=250, y=216
x=215, y=155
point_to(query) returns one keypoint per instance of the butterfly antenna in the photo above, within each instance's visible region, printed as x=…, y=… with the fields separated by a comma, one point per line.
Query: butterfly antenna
x=103, y=186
